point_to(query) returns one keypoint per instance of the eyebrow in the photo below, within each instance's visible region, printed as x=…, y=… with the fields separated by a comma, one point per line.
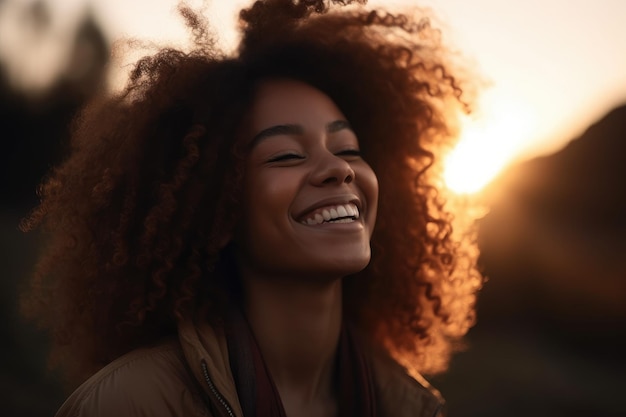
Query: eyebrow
x=293, y=129
x=338, y=125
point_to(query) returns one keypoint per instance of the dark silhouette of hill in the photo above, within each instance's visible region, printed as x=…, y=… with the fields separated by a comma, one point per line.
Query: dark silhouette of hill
x=571, y=205
x=586, y=177
x=551, y=331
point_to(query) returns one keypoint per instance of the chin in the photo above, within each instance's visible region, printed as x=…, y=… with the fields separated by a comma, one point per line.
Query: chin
x=343, y=267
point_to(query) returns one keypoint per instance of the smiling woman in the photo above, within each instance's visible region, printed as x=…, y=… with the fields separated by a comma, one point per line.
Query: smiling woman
x=305, y=164
x=260, y=234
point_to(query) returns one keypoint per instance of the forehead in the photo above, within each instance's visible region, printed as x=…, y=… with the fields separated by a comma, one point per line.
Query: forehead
x=286, y=101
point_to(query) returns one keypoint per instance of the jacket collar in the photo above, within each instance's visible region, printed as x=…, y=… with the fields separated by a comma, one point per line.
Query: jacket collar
x=206, y=351
x=401, y=395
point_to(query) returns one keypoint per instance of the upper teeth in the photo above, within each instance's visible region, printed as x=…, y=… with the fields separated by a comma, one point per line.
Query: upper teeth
x=340, y=212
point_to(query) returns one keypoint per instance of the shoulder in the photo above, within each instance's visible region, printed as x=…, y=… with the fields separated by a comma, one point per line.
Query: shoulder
x=145, y=382
x=400, y=394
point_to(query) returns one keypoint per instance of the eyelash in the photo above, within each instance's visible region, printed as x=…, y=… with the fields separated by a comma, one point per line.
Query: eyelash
x=350, y=152
x=285, y=157
x=289, y=156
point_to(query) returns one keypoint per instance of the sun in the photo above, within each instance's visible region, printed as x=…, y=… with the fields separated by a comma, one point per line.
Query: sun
x=488, y=142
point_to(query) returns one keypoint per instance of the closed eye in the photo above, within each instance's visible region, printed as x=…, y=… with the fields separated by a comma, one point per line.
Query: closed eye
x=349, y=152
x=285, y=157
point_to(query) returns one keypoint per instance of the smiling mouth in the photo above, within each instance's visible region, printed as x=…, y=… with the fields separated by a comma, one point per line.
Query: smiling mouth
x=337, y=213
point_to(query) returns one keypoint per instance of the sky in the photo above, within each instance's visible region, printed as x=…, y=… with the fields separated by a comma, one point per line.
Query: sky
x=553, y=66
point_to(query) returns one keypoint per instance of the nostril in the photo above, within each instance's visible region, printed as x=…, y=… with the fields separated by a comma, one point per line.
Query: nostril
x=335, y=170
x=347, y=179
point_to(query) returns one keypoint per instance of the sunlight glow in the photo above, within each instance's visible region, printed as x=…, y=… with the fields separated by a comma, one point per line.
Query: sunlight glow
x=488, y=142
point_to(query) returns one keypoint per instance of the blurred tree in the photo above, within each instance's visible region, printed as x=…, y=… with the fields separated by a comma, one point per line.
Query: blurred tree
x=33, y=128
x=33, y=125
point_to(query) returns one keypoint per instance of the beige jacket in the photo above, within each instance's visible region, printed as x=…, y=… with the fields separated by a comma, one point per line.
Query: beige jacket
x=191, y=377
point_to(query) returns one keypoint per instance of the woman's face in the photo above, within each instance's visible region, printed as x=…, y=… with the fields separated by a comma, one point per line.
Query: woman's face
x=310, y=200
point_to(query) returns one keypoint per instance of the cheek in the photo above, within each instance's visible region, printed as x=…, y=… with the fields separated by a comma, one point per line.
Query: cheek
x=369, y=185
x=266, y=233
x=268, y=200
x=373, y=184
x=271, y=195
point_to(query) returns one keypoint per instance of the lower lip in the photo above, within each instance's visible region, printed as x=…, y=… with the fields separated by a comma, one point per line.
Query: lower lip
x=352, y=226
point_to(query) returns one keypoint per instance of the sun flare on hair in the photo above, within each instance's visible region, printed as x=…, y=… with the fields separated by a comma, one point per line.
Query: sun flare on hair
x=488, y=142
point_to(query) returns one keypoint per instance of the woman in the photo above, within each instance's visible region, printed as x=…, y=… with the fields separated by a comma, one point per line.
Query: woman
x=209, y=233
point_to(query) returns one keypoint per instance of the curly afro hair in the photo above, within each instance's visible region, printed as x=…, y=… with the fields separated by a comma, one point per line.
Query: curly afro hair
x=136, y=215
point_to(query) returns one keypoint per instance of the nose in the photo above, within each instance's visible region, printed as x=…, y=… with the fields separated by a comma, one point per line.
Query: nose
x=332, y=169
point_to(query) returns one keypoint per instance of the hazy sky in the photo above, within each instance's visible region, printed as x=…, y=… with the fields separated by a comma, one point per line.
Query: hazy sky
x=555, y=65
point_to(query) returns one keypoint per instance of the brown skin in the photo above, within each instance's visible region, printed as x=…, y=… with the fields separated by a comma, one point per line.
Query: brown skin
x=307, y=159
x=291, y=272
x=297, y=329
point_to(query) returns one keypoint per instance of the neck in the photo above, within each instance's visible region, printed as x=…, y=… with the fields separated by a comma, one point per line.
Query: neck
x=297, y=326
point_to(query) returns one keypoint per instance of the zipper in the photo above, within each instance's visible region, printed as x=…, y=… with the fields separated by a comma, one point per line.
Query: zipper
x=214, y=390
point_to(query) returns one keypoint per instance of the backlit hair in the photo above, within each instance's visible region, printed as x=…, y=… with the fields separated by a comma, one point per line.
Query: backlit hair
x=136, y=216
